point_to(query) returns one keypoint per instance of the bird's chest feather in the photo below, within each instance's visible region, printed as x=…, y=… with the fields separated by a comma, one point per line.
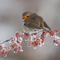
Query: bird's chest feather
x=30, y=30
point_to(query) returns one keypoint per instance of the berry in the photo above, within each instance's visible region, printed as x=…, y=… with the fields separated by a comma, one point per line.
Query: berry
x=12, y=40
x=18, y=34
x=11, y=47
x=44, y=34
x=55, y=41
x=20, y=47
x=16, y=49
x=42, y=40
x=15, y=45
x=52, y=32
x=4, y=50
x=0, y=47
x=19, y=40
x=34, y=44
x=37, y=41
x=26, y=36
x=30, y=42
x=35, y=33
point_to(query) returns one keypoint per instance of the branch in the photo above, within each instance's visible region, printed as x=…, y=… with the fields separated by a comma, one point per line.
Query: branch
x=35, y=39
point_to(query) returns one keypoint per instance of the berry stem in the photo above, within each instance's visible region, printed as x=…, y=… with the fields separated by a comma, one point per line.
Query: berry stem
x=57, y=30
x=5, y=41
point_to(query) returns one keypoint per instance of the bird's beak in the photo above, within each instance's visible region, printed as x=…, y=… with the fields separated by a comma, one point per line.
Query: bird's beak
x=24, y=20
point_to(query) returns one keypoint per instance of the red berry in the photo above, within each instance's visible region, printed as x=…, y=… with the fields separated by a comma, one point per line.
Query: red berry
x=0, y=47
x=19, y=40
x=12, y=39
x=37, y=41
x=34, y=44
x=35, y=33
x=44, y=34
x=30, y=42
x=52, y=32
x=35, y=38
x=4, y=52
x=26, y=36
x=42, y=40
x=16, y=49
x=18, y=34
x=11, y=47
x=55, y=41
x=15, y=45
x=20, y=47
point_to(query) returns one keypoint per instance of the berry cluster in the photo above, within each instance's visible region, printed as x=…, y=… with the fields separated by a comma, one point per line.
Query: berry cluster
x=15, y=42
x=35, y=39
x=3, y=50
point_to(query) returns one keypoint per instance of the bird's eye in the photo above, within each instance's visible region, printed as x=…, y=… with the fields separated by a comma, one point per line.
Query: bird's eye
x=27, y=16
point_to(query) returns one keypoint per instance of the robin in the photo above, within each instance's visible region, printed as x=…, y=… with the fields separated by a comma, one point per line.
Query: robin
x=33, y=23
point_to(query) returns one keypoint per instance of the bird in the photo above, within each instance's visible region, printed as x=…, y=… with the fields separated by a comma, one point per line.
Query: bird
x=33, y=23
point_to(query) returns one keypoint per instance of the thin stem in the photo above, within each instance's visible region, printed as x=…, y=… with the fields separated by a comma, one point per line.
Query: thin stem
x=57, y=30
x=5, y=41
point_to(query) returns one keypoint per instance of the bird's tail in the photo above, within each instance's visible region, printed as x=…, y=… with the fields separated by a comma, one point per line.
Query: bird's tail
x=46, y=27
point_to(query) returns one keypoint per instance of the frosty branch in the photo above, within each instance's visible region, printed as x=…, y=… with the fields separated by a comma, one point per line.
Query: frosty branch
x=35, y=39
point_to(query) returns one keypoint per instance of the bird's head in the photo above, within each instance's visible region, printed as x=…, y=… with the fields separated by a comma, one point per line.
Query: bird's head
x=26, y=15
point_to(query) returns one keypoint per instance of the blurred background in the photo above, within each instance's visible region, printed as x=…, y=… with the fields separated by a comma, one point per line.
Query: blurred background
x=11, y=21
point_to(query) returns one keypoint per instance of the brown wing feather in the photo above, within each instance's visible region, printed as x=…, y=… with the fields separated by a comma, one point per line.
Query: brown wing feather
x=32, y=24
